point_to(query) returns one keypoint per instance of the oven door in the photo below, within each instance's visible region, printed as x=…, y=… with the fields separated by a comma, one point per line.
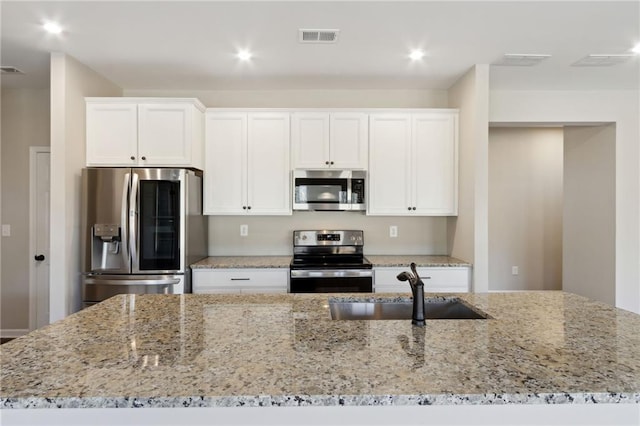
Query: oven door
x=331, y=281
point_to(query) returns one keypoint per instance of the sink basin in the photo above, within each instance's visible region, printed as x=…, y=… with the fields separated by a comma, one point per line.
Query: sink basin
x=435, y=308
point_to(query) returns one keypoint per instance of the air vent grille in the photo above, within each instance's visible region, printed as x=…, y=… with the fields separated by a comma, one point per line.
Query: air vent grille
x=318, y=36
x=521, y=59
x=602, y=60
x=10, y=70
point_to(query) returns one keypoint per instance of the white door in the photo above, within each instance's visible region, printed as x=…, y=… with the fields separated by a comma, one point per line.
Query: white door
x=348, y=141
x=390, y=168
x=268, y=176
x=225, y=154
x=39, y=236
x=435, y=160
x=310, y=140
x=112, y=134
x=165, y=134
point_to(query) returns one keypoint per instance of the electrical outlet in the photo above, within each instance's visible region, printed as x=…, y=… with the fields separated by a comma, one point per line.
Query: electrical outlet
x=6, y=230
x=393, y=231
x=514, y=270
x=244, y=230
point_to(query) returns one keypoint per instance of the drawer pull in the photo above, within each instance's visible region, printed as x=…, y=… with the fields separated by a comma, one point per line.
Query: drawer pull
x=240, y=279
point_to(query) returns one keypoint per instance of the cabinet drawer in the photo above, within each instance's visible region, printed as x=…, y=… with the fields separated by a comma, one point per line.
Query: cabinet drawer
x=240, y=280
x=436, y=279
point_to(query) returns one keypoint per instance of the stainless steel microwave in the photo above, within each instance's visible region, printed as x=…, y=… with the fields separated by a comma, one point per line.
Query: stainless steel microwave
x=329, y=190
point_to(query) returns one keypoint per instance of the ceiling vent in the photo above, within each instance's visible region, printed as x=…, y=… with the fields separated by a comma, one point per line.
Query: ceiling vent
x=10, y=70
x=602, y=60
x=318, y=36
x=521, y=59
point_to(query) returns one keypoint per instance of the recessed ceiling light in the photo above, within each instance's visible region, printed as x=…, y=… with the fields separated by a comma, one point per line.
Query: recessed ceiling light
x=244, y=55
x=52, y=27
x=636, y=49
x=416, y=55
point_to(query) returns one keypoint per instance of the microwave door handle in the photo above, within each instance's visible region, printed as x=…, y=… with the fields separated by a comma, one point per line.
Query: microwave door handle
x=124, y=215
x=133, y=220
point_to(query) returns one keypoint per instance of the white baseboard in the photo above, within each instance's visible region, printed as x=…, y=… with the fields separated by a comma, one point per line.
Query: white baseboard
x=10, y=333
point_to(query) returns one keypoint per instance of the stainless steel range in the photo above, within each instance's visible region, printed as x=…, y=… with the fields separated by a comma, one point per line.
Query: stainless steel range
x=330, y=262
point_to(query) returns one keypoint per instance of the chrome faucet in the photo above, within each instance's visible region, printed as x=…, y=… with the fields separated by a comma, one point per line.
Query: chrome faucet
x=417, y=289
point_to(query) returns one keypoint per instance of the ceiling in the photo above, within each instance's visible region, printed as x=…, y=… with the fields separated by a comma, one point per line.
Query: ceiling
x=192, y=45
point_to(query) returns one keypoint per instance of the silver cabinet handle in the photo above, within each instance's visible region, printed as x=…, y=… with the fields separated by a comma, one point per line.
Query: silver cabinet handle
x=240, y=279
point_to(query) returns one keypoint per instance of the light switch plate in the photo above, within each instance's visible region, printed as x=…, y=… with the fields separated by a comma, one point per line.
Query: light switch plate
x=6, y=230
x=244, y=230
x=393, y=231
x=514, y=270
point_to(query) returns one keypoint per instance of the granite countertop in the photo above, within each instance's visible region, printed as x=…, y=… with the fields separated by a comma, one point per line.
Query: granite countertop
x=420, y=260
x=221, y=262
x=264, y=350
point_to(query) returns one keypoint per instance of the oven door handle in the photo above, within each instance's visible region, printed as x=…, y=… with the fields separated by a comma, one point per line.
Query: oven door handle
x=330, y=273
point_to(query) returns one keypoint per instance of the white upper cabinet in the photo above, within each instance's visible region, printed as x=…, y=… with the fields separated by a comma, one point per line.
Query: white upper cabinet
x=247, y=163
x=112, y=133
x=413, y=163
x=144, y=132
x=329, y=140
x=435, y=147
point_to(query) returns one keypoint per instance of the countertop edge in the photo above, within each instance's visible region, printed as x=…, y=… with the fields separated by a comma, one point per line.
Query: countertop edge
x=322, y=400
x=282, y=262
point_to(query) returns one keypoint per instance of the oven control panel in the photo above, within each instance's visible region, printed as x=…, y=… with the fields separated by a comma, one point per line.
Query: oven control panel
x=326, y=237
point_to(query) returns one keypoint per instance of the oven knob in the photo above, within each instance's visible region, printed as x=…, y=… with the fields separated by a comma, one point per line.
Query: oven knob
x=304, y=237
x=353, y=238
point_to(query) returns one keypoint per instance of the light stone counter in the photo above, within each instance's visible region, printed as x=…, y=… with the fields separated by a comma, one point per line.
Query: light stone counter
x=420, y=260
x=284, y=350
x=221, y=262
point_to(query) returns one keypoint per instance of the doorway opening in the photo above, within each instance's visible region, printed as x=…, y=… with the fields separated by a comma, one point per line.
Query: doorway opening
x=552, y=209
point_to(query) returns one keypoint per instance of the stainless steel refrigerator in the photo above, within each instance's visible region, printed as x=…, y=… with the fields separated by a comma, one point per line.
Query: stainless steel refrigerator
x=142, y=229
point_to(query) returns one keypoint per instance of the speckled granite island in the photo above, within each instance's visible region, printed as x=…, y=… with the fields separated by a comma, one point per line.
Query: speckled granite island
x=151, y=351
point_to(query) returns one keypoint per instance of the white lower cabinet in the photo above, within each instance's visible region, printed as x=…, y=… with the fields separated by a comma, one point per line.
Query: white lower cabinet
x=245, y=281
x=436, y=279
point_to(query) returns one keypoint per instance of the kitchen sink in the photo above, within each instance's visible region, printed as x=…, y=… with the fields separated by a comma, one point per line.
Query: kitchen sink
x=435, y=308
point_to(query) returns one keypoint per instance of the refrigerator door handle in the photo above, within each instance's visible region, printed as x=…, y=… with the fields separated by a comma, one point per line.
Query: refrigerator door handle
x=150, y=282
x=124, y=216
x=133, y=221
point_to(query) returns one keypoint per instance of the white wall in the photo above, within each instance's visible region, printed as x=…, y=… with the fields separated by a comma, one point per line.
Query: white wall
x=525, y=208
x=71, y=81
x=621, y=107
x=25, y=123
x=468, y=232
x=589, y=212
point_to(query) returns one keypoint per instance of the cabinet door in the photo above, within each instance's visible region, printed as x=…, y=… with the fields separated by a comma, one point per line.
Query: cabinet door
x=349, y=135
x=389, y=164
x=268, y=175
x=435, y=279
x=112, y=134
x=435, y=163
x=225, y=154
x=310, y=140
x=165, y=134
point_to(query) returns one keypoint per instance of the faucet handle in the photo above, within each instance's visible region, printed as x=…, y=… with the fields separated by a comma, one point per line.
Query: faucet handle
x=414, y=270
